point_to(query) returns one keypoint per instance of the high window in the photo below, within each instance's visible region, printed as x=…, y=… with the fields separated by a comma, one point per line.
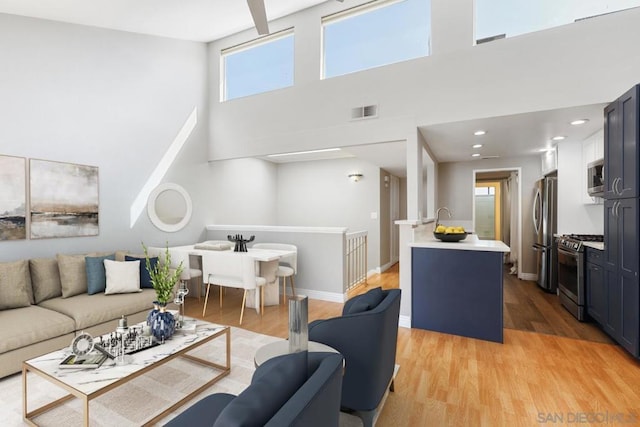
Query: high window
x=508, y=18
x=375, y=34
x=258, y=66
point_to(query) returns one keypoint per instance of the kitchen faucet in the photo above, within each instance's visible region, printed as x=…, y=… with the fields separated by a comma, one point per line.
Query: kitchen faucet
x=438, y=214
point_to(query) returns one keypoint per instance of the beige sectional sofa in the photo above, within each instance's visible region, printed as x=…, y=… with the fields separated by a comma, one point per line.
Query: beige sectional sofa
x=44, y=303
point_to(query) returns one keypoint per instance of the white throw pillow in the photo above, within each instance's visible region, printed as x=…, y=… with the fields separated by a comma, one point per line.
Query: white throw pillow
x=123, y=277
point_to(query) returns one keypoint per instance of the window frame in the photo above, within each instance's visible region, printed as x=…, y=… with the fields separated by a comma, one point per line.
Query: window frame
x=347, y=14
x=248, y=45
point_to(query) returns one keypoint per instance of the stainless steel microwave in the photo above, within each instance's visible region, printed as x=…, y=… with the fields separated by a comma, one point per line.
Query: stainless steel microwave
x=595, y=178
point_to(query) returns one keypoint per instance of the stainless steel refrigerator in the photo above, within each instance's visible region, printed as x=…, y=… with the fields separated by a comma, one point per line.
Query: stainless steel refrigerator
x=544, y=225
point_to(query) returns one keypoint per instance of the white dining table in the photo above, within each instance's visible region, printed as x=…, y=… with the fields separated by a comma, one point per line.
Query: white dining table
x=267, y=264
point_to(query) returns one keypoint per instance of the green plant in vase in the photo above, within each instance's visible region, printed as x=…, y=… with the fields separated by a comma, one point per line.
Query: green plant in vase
x=163, y=277
x=163, y=280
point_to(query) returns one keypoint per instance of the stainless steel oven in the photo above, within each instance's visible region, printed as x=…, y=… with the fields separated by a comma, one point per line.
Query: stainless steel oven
x=571, y=282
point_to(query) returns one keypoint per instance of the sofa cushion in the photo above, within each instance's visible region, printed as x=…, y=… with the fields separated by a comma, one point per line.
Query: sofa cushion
x=96, y=275
x=29, y=325
x=90, y=310
x=13, y=285
x=73, y=275
x=122, y=277
x=145, y=277
x=272, y=385
x=45, y=279
x=364, y=302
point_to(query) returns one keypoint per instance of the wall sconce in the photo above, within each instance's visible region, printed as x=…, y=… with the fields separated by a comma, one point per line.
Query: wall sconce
x=386, y=181
x=355, y=177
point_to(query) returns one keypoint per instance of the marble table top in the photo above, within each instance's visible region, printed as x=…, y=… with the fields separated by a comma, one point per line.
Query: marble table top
x=88, y=381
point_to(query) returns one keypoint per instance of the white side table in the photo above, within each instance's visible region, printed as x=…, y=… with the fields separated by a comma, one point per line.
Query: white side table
x=279, y=348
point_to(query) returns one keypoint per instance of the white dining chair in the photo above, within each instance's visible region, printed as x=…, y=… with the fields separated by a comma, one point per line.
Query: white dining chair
x=287, y=266
x=190, y=273
x=232, y=269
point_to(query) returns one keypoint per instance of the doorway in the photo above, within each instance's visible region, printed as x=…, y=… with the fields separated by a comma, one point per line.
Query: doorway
x=488, y=222
x=497, y=209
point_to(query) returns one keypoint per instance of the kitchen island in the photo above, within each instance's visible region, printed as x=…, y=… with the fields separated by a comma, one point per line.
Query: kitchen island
x=457, y=287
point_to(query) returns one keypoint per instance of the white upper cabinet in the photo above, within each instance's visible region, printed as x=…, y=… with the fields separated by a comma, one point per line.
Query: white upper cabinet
x=549, y=161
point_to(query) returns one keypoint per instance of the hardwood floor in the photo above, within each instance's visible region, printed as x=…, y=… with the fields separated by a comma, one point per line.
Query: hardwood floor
x=445, y=380
x=529, y=308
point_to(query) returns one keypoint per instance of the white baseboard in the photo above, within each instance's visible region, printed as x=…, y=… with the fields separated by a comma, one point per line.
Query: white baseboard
x=528, y=276
x=379, y=270
x=404, y=321
x=322, y=295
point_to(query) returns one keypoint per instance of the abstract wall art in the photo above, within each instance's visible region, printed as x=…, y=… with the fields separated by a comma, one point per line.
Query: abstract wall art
x=64, y=199
x=13, y=198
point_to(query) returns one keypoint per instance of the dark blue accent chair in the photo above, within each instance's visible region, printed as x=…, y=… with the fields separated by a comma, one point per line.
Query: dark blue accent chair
x=366, y=335
x=300, y=389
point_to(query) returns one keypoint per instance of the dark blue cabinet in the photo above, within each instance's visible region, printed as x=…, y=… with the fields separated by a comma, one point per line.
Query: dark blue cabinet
x=457, y=292
x=621, y=319
x=595, y=284
x=621, y=123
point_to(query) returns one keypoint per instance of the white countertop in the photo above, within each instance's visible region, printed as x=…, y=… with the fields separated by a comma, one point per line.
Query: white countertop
x=471, y=243
x=594, y=245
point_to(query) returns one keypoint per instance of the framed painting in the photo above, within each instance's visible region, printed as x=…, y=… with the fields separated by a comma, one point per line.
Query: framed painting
x=13, y=198
x=63, y=199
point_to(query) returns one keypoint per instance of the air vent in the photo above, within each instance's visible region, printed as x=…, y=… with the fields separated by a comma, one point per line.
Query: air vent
x=490, y=39
x=489, y=157
x=365, y=112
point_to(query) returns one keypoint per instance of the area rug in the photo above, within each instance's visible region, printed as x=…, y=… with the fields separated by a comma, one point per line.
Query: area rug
x=138, y=400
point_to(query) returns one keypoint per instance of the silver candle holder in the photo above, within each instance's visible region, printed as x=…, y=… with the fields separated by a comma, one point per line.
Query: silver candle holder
x=298, y=324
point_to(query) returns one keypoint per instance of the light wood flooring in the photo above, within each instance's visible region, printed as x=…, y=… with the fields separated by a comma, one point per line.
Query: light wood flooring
x=446, y=380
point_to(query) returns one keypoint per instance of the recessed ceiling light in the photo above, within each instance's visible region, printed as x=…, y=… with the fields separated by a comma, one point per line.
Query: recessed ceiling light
x=558, y=138
x=480, y=132
x=476, y=146
x=475, y=155
x=579, y=122
x=325, y=150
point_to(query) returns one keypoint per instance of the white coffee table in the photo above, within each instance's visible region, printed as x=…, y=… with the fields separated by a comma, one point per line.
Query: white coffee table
x=279, y=348
x=87, y=384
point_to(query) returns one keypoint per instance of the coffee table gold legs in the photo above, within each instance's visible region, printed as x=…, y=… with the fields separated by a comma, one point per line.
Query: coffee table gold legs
x=29, y=416
x=226, y=369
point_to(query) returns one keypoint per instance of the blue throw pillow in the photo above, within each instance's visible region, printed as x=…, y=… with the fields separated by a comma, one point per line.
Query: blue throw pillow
x=364, y=302
x=145, y=277
x=96, y=275
x=358, y=306
x=271, y=387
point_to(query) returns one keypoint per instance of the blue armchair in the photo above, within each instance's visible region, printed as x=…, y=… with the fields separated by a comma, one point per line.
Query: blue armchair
x=366, y=335
x=299, y=389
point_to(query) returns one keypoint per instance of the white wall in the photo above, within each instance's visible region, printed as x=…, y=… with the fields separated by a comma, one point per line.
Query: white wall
x=588, y=62
x=104, y=98
x=455, y=190
x=243, y=191
x=308, y=194
x=574, y=216
x=318, y=193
